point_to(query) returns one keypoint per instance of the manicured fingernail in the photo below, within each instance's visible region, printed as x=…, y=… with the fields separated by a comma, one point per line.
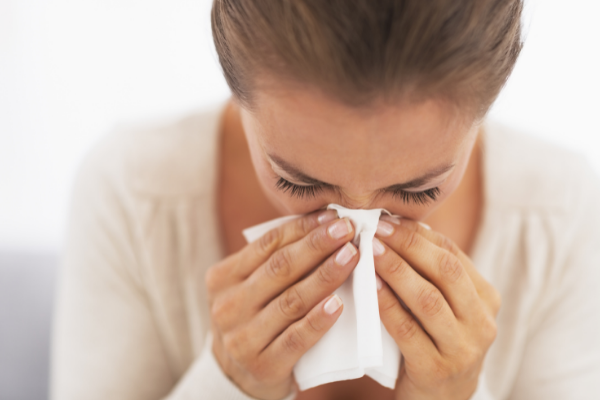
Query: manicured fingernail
x=378, y=248
x=345, y=254
x=391, y=218
x=384, y=229
x=379, y=283
x=424, y=225
x=340, y=228
x=333, y=304
x=327, y=216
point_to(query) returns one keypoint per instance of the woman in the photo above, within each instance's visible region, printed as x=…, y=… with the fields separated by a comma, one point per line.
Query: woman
x=367, y=105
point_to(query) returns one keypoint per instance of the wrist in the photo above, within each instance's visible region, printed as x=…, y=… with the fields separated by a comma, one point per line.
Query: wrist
x=409, y=391
x=249, y=384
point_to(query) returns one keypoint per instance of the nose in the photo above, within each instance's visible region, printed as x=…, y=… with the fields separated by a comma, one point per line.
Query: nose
x=357, y=201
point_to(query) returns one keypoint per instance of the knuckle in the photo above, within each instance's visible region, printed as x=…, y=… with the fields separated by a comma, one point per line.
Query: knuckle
x=440, y=369
x=314, y=323
x=450, y=267
x=326, y=274
x=294, y=341
x=405, y=328
x=489, y=330
x=495, y=299
x=291, y=304
x=279, y=265
x=268, y=242
x=223, y=309
x=230, y=345
x=218, y=311
x=398, y=266
x=235, y=346
x=387, y=304
x=304, y=225
x=469, y=357
x=259, y=370
x=314, y=242
x=447, y=244
x=266, y=371
x=215, y=314
x=430, y=300
x=410, y=240
x=211, y=281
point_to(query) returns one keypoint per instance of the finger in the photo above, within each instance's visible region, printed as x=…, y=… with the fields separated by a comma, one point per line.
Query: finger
x=240, y=303
x=438, y=265
x=414, y=343
x=424, y=300
x=288, y=264
x=260, y=250
x=240, y=265
x=440, y=240
x=485, y=290
x=298, y=300
x=303, y=334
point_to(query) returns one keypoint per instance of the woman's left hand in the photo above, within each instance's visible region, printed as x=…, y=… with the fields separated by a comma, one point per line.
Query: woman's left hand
x=451, y=323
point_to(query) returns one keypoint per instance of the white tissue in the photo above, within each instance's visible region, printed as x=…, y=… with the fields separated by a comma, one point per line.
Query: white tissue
x=358, y=344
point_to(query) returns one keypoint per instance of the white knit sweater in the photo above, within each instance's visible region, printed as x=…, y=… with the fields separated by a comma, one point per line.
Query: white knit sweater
x=132, y=319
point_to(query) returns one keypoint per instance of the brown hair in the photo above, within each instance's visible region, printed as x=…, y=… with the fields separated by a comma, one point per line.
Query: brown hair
x=359, y=51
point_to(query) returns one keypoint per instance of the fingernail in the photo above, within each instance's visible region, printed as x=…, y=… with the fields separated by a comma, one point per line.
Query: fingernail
x=333, y=304
x=340, y=228
x=327, y=216
x=379, y=283
x=391, y=218
x=384, y=229
x=424, y=225
x=378, y=248
x=345, y=254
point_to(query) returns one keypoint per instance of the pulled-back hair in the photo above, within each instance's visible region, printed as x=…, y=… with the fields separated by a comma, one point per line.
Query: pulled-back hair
x=363, y=51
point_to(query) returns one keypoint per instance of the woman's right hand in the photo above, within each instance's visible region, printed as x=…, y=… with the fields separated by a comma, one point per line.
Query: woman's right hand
x=266, y=312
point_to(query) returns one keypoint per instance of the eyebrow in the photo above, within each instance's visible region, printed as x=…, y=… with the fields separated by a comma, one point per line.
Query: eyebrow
x=300, y=176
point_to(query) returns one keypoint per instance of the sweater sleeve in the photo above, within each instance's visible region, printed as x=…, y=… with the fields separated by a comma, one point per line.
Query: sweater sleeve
x=562, y=355
x=206, y=380
x=106, y=344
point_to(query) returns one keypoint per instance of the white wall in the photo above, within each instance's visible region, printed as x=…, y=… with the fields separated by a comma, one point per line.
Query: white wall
x=554, y=90
x=72, y=69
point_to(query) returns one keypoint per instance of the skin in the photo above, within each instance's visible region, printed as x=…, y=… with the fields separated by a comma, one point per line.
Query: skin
x=267, y=299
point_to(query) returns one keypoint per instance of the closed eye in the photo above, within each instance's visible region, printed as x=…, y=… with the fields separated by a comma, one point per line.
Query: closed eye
x=420, y=198
x=310, y=191
x=299, y=191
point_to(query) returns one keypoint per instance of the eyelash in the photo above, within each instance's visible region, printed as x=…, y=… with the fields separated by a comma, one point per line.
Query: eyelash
x=420, y=198
x=301, y=191
x=298, y=190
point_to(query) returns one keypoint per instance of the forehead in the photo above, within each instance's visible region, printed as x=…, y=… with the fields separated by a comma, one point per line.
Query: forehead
x=341, y=145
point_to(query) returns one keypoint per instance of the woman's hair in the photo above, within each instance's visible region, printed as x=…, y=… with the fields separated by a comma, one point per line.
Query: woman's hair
x=361, y=52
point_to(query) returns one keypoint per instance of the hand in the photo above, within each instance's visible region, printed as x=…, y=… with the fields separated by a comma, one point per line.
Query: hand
x=451, y=323
x=266, y=312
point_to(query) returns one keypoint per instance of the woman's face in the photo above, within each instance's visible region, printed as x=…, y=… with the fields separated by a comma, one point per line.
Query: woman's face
x=309, y=151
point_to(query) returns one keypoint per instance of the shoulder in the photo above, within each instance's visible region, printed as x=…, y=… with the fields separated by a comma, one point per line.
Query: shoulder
x=173, y=157
x=531, y=174
x=546, y=196
x=115, y=211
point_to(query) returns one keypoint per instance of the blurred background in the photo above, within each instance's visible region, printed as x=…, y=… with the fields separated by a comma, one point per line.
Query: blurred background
x=70, y=71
